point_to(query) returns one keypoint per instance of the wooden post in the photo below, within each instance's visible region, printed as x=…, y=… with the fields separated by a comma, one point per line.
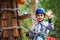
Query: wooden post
x=9, y=19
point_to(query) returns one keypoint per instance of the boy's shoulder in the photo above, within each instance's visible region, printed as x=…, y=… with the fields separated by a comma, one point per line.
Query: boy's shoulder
x=45, y=23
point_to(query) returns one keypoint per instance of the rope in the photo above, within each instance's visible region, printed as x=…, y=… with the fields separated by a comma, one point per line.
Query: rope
x=10, y=27
x=13, y=27
x=10, y=9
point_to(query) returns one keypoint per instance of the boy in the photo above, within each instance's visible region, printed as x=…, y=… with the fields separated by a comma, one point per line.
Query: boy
x=41, y=28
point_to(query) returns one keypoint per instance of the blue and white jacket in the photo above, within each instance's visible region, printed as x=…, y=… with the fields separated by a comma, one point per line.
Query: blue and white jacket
x=41, y=28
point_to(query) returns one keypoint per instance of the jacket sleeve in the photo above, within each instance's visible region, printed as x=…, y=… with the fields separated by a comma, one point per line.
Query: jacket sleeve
x=33, y=28
x=49, y=27
x=30, y=35
x=50, y=24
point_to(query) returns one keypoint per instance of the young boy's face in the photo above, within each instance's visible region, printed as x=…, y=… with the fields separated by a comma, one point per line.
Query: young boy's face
x=40, y=17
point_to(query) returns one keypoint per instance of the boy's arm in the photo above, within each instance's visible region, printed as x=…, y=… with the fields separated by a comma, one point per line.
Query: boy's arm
x=49, y=15
x=30, y=33
x=51, y=25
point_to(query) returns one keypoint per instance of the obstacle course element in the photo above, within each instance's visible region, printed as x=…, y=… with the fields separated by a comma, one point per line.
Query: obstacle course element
x=9, y=18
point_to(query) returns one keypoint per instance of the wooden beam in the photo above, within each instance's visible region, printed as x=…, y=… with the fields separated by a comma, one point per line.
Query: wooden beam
x=24, y=16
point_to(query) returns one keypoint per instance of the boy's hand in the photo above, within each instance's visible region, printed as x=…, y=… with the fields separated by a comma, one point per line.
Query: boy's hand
x=27, y=33
x=49, y=14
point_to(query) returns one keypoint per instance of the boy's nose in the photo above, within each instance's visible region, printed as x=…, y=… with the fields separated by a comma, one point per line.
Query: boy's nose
x=40, y=16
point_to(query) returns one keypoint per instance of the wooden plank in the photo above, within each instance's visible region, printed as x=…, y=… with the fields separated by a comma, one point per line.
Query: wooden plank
x=4, y=24
x=24, y=17
x=9, y=15
x=14, y=6
x=15, y=31
x=4, y=4
x=4, y=15
x=14, y=19
x=14, y=15
x=10, y=32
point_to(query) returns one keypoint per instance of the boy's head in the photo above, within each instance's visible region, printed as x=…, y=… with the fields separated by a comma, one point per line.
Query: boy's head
x=40, y=13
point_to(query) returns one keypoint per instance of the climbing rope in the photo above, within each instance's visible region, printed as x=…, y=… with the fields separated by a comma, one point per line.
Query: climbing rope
x=9, y=9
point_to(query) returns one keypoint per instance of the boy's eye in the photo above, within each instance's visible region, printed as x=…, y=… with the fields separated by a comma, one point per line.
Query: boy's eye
x=41, y=15
x=38, y=15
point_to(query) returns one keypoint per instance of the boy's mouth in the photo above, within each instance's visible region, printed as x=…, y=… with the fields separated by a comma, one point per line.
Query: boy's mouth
x=40, y=19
